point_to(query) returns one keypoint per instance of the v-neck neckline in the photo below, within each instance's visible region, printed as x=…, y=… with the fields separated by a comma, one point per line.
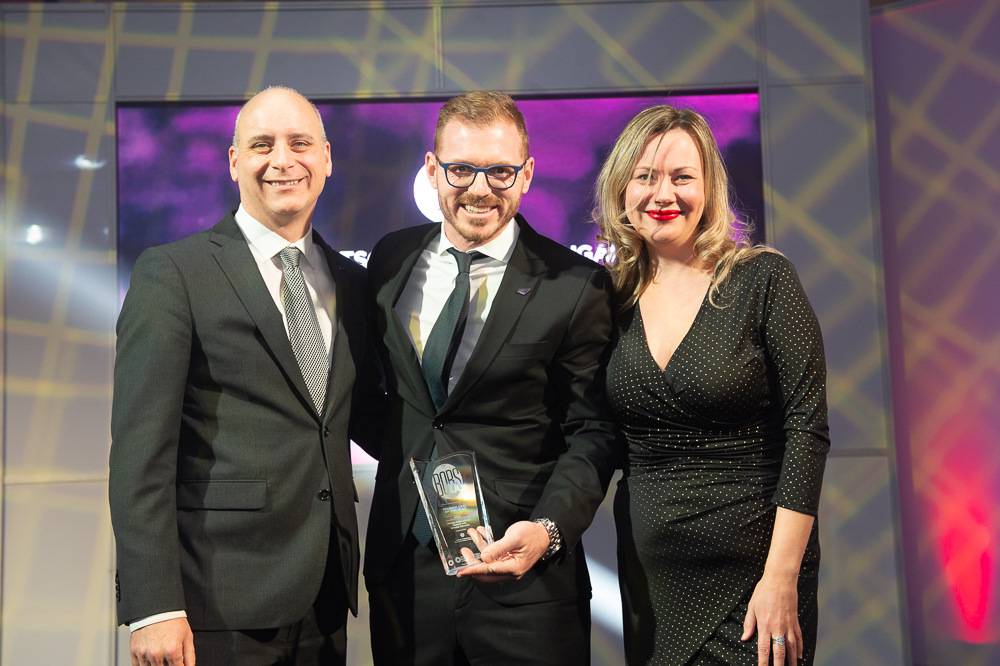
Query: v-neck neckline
x=645, y=339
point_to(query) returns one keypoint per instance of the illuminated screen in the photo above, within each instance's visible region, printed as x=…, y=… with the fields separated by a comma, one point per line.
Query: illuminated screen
x=173, y=180
x=173, y=171
x=173, y=175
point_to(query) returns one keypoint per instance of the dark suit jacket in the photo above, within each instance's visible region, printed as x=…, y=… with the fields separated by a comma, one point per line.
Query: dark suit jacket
x=219, y=461
x=530, y=403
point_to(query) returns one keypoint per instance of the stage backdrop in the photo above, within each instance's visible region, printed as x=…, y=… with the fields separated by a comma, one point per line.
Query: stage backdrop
x=173, y=178
x=937, y=75
x=173, y=181
x=67, y=68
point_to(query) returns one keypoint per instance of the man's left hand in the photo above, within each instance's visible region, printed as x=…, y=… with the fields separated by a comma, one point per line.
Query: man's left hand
x=511, y=557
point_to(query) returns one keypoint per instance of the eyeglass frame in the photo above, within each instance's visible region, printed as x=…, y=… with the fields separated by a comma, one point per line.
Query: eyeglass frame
x=477, y=170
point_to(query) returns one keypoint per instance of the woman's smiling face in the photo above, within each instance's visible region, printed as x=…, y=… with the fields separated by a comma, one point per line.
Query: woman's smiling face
x=665, y=195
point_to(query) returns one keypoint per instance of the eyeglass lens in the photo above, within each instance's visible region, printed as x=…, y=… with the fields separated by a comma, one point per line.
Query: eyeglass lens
x=462, y=175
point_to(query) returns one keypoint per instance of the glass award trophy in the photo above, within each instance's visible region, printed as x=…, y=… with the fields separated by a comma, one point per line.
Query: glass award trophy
x=453, y=500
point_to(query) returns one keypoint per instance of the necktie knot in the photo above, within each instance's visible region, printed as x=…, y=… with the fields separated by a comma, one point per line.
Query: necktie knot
x=464, y=259
x=290, y=257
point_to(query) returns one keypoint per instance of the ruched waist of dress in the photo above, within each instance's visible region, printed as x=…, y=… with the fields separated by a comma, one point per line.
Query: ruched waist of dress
x=762, y=470
x=753, y=457
x=684, y=492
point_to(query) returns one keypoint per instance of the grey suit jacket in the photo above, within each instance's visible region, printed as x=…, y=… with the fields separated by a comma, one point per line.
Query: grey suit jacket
x=530, y=403
x=225, y=483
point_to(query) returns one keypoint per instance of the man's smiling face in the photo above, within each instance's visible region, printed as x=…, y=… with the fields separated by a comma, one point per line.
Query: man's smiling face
x=282, y=160
x=474, y=215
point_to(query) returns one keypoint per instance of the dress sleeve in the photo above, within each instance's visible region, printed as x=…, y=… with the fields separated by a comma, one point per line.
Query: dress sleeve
x=794, y=345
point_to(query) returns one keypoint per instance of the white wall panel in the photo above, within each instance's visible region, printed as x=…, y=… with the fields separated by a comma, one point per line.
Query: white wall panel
x=56, y=56
x=812, y=39
x=58, y=580
x=624, y=45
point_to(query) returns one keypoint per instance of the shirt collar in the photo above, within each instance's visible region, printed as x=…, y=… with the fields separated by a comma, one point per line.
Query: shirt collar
x=499, y=249
x=266, y=244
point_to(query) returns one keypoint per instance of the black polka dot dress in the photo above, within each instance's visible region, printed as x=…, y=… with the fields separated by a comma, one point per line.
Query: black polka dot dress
x=733, y=427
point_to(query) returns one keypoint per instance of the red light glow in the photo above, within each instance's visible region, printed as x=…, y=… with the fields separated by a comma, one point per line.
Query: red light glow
x=963, y=493
x=965, y=547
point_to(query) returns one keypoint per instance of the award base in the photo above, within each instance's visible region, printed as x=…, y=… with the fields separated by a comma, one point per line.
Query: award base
x=453, y=501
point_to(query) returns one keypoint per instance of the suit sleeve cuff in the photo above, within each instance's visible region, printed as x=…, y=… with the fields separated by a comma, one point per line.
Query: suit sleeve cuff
x=153, y=619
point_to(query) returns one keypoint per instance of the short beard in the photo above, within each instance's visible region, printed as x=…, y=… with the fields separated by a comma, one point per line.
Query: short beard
x=478, y=233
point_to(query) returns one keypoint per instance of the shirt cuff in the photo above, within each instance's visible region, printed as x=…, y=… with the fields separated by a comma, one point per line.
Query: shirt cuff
x=153, y=619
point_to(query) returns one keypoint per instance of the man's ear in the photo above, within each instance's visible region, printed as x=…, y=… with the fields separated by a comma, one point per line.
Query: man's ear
x=526, y=174
x=430, y=167
x=232, y=164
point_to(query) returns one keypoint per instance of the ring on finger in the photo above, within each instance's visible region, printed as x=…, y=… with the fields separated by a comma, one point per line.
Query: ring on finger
x=778, y=640
x=489, y=569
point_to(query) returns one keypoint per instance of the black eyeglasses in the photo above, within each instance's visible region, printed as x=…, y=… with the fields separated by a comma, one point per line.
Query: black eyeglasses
x=498, y=176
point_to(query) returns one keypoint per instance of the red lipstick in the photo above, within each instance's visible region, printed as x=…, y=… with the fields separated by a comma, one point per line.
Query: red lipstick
x=663, y=215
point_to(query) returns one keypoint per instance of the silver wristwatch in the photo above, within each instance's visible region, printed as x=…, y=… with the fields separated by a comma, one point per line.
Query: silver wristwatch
x=555, y=539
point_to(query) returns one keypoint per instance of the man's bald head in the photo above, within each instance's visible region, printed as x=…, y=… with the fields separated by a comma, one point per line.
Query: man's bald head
x=249, y=103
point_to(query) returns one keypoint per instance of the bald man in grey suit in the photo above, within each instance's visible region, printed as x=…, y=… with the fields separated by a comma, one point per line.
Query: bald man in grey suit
x=243, y=371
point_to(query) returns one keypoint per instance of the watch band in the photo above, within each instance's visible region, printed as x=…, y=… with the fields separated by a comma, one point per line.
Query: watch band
x=555, y=538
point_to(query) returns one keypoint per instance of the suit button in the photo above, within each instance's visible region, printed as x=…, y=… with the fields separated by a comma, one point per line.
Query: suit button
x=438, y=424
x=326, y=431
x=323, y=495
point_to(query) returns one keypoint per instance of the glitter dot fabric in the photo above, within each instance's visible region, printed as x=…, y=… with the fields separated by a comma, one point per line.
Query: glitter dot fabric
x=735, y=425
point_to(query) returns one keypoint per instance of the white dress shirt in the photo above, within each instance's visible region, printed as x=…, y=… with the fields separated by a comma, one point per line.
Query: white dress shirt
x=265, y=246
x=432, y=281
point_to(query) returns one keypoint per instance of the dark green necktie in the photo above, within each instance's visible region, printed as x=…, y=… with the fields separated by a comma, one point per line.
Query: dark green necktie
x=439, y=355
x=446, y=335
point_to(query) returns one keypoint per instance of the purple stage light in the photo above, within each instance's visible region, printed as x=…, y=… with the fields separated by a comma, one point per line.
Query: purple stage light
x=173, y=172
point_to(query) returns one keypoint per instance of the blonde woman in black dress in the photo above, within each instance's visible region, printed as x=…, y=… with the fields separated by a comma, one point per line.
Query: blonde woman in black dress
x=718, y=384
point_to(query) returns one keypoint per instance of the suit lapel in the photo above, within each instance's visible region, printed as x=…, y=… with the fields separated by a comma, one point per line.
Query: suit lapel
x=237, y=262
x=524, y=270
x=397, y=339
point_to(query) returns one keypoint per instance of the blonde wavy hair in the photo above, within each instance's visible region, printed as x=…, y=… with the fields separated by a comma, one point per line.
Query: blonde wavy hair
x=719, y=245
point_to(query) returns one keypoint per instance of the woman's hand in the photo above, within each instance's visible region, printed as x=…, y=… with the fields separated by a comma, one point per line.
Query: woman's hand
x=774, y=606
x=773, y=612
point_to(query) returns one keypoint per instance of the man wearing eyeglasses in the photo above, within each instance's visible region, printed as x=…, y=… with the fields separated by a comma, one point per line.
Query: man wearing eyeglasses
x=495, y=340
